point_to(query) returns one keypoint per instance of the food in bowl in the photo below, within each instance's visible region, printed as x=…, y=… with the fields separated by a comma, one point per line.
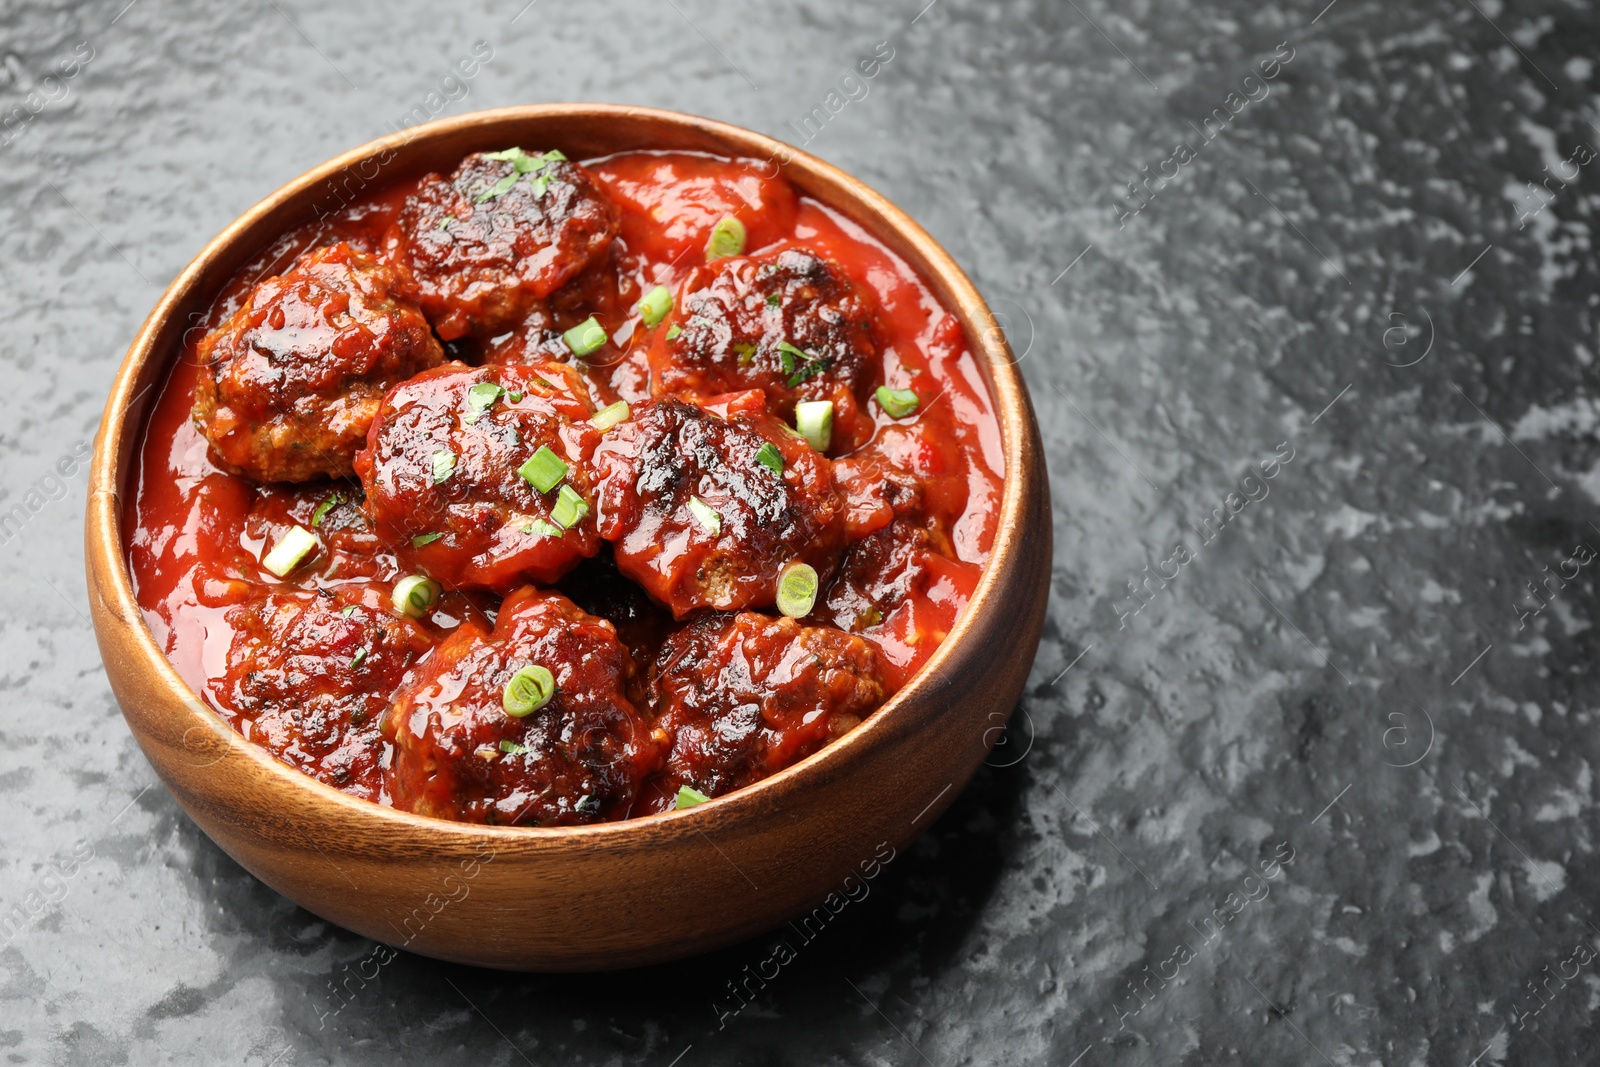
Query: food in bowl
x=551, y=492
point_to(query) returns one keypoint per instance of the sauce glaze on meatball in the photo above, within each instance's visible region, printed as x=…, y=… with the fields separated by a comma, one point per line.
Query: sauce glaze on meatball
x=698, y=519
x=503, y=232
x=789, y=324
x=308, y=675
x=744, y=696
x=289, y=384
x=458, y=754
x=441, y=472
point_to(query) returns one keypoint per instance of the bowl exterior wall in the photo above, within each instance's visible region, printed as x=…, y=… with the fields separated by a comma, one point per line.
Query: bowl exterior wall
x=622, y=894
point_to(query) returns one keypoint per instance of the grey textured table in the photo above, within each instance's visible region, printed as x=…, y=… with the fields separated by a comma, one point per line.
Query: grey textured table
x=1317, y=787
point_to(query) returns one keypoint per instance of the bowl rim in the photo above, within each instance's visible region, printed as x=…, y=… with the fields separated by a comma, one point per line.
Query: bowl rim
x=124, y=416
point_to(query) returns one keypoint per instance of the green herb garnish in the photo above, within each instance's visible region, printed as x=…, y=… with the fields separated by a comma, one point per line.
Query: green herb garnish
x=444, y=464
x=655, y=305
x=481, y=398
x=511, y=748
x=528, y=690
x=331, y=501
x=570, y=508
x=425, y=539
x=611, y=415
x=688, y=797
x=800, y=365
x=769, y=457
x=727, y=238
x=706, y=516
x=544, y=470
x=897, y=402
x=585, y=338
x=797, y=590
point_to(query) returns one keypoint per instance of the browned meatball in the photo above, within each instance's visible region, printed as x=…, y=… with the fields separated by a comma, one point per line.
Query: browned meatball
x=289, y=384
x=444, y=482
x=744, y=696
x=501, y=233
x=699, y=520
x=309, y=674
x=790, y=324
x=460, y=754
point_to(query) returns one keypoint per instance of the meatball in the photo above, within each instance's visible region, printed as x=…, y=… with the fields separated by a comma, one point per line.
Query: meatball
x=482, y=476
x=289, y=384
x=704, y=511
x=460, y=754
x=744, y=696
x=790, y=324
x=914, y=472
x=308, y=676
x=900, y=588
x=500, y=234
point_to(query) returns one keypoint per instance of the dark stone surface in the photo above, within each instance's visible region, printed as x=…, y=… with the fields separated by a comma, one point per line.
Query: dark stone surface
x=1362, y=615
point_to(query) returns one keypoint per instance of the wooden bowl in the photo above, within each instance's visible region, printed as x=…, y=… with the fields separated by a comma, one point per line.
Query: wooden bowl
x=617, y=894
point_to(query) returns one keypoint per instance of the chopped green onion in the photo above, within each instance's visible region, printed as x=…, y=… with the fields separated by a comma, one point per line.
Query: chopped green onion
x=585, y=338
x=897, y=402
x=444, y=464
x=542, y=528
x=655, y=305
x=358, y=659
x=673, y=331
x=797, y=590
x=415, y=594
x=511, y=748
x=774, y=300
x=769, y=457
x=814, y=420
x=544, y=470
x=611, y=415
x=727, y=238
x=570, y=508
x=528, y=690
x=688, y=797
x=444, y=223
x=425, y=539
x=331, y=501
x=290, y=551
x=587, y=803
x=706, y=516
x=481, y=398
x=349, y=610
x=515, y=396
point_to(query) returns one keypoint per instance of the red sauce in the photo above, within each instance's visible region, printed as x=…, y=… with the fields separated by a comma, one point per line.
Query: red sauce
x=918, y=499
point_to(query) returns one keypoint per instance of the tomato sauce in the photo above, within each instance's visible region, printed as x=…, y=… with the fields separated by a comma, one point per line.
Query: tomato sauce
x=897, y=556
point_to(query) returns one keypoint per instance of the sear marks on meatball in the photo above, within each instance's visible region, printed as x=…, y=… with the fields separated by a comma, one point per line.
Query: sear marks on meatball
x=578, y=759
x=500, y=234
x=288, y=385
x=744, y=696
x=308, y=676
x=901, y=589
x=699, y=520
x=790, y=324
x=442, y=472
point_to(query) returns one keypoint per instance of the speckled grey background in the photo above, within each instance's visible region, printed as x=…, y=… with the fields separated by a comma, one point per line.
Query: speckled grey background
x=1353, y=269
